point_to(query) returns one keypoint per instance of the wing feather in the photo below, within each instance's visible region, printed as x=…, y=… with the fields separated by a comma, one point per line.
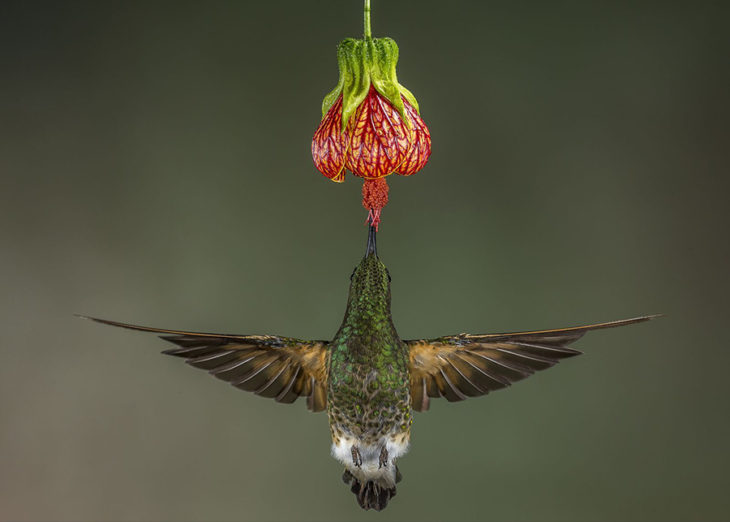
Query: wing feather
x=281, y=368
x=287, y=395
x=469, y=365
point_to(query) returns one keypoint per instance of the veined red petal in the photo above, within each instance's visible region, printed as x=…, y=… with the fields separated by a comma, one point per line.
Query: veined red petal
x=329, y=145
x=379, y=139
x=421, y=148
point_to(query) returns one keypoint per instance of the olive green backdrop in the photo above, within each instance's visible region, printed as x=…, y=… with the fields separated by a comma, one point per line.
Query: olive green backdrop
x=155, y=168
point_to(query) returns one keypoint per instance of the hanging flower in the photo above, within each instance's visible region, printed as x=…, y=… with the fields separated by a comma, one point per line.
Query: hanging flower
x=370, y=123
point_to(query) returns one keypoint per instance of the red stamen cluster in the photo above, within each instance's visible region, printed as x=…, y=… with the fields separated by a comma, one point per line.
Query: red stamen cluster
x=374, y=198
x=375, y=143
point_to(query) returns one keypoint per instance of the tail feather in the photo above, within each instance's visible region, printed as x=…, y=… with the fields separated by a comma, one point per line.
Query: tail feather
x=371, y=494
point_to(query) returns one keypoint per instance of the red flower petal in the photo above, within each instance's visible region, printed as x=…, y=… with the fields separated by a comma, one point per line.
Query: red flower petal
x=379, y=139
x=421, y=149
x=329, y=145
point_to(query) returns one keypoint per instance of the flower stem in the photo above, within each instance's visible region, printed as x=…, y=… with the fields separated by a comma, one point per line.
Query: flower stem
x=366, y=12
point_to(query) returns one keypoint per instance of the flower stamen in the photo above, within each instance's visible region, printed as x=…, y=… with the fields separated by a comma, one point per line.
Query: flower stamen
x=374, y=198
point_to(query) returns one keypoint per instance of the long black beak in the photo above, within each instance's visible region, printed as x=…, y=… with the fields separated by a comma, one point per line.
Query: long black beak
x=372, y=246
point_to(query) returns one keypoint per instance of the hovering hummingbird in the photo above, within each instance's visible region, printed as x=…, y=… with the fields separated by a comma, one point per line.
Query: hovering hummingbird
x=367, y=378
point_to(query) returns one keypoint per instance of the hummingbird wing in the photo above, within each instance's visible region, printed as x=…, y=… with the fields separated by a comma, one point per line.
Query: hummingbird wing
x=281, y=368
x=470, y=365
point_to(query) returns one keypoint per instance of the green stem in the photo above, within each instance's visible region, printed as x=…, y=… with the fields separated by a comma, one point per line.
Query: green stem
x=368, y=33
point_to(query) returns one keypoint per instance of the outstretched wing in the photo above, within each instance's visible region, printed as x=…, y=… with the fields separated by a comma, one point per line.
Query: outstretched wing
x=281, y=368
x=466, y=365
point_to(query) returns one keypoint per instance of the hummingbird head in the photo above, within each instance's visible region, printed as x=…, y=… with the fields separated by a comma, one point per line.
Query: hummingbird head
x=370, y=280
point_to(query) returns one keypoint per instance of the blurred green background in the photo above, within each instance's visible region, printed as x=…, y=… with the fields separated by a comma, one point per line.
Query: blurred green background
x=155, y=168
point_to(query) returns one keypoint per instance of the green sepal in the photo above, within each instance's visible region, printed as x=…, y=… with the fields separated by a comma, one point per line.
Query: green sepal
x=353, y=58
x=362, y=63
x=409, y=96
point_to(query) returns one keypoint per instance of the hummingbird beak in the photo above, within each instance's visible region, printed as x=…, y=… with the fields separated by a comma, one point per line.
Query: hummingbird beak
x=372, y=247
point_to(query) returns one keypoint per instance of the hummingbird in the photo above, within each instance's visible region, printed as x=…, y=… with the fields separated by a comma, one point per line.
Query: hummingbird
x=367, y=378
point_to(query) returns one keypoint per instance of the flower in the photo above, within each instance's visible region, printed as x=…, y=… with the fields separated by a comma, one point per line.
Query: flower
x=371, y=124
x=376, y=142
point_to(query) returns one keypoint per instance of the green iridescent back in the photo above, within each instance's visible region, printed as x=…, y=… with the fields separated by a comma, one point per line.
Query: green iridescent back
x=368, y=394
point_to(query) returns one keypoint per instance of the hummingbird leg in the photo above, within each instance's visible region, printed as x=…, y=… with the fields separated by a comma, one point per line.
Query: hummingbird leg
x=356, y=457
x=383, y=458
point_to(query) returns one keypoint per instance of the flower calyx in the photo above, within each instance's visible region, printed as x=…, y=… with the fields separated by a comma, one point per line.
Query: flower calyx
x=363, y=63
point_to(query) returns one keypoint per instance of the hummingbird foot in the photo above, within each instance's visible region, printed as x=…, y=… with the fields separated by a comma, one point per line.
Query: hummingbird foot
x=356, y=457
x=383, y=461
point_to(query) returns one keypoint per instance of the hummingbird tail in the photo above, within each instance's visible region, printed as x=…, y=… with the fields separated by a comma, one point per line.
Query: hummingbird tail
x=371, y=494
